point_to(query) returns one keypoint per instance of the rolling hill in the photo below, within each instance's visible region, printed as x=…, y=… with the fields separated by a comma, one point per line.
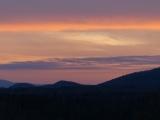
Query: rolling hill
x=5, y=84
x=139, y=81
x=131, y=97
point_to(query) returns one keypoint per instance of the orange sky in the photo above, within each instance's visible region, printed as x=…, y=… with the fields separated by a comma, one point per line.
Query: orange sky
x=38, y=30
x=62, y=26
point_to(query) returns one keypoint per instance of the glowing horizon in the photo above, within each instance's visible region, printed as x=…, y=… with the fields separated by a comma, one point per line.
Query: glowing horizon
x=62, y=26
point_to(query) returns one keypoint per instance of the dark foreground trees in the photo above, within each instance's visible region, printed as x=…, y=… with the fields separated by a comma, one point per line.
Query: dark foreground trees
x=78, y=104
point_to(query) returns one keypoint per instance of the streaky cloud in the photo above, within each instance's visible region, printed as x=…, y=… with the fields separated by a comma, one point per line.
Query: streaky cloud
x=93, y=63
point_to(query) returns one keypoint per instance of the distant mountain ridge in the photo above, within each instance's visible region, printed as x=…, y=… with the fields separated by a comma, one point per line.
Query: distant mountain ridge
x=59, y=84
x=22, y=85
x=138, y=81
x=62, y=83
x=5, y=83
x=134, y=96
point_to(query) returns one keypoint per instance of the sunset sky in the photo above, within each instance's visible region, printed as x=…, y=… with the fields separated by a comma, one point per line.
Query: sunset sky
x=86, y=41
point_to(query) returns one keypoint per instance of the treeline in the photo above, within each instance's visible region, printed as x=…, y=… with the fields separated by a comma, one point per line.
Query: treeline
x=78, y=104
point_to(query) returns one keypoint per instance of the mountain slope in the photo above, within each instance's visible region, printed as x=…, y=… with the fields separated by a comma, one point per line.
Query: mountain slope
x=22, y=85
x=145, y=80
x=5, y=84
x=62, y=83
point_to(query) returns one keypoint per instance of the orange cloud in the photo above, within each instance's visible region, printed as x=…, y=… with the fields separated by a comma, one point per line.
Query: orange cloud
x=19, y=58
x=59, y=26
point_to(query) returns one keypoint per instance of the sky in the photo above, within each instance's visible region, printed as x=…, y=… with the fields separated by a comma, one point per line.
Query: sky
x=86, y=41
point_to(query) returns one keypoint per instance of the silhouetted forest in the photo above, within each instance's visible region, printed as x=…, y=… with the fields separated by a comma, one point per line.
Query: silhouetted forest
x=78, y=104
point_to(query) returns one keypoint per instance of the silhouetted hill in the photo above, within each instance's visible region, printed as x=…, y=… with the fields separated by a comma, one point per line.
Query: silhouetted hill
x=139, y=81
x=61, y=84
x=5, y=84
x=66, y=100
x=22, y=85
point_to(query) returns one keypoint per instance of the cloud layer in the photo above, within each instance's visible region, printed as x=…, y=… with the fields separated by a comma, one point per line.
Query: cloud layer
x=90, y=70
x=77, y=31
x=93, y=63
x=78, y=44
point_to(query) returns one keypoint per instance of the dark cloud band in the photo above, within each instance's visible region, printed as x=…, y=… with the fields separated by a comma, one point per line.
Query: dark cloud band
x=84, y=63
